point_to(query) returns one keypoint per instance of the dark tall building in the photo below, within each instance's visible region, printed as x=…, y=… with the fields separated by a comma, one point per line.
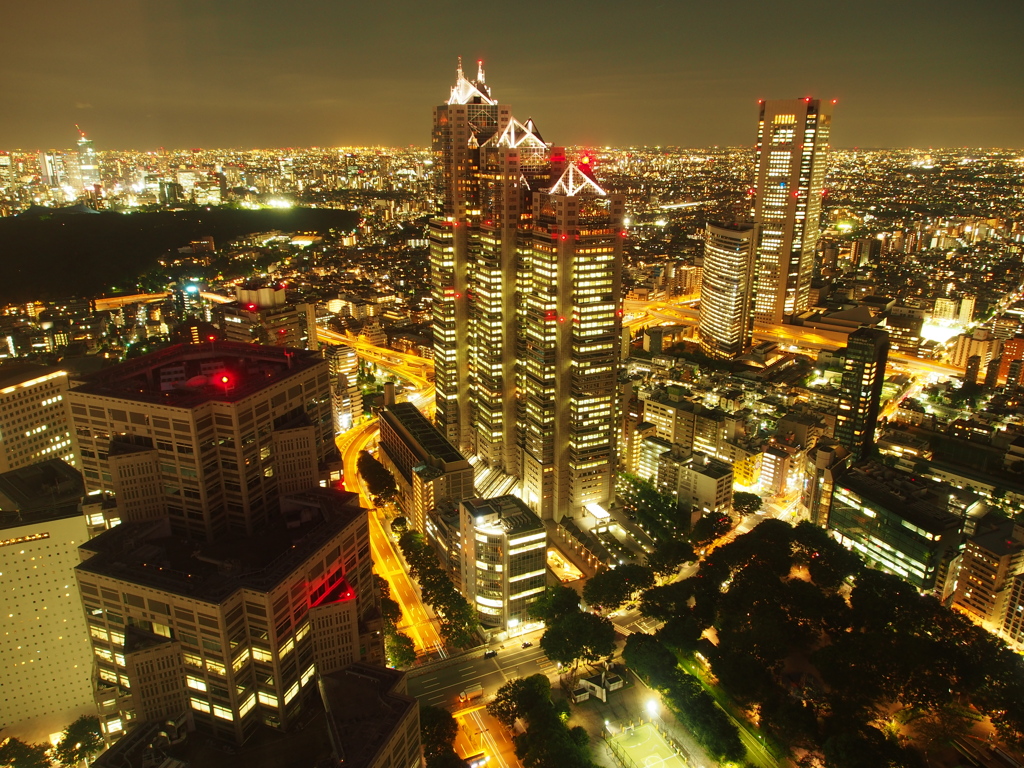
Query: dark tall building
x=867, y=351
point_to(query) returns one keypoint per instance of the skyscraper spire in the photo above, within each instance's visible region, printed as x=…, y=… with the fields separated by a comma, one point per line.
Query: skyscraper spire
x=459, y=74
x=480, y=71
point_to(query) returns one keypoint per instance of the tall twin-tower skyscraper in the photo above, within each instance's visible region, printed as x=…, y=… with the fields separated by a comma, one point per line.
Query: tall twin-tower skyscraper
x=525, y=260
x=761, y=271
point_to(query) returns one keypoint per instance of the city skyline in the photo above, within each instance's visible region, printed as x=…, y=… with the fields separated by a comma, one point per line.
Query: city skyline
x=260, y=78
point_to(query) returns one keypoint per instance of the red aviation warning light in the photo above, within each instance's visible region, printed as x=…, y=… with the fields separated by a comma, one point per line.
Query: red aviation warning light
x=251, y=307
x=225, y=379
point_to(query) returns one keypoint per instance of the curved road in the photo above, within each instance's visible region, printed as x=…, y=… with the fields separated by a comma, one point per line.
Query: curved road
x=416, y=621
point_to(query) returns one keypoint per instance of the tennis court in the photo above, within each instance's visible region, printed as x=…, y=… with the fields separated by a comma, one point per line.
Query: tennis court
x=644, y=747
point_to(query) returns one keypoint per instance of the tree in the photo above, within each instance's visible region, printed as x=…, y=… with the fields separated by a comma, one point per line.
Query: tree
x=400, y=649
x=517, y=697
x=669, y=555
x=613, y=587
x=646, y=656
x=80, y=740
x=578, y=636
x=709, y=528
x=390, y=613
x=744, y=503
x=556, y=601
x=379, y=482
x=17, y=754
x=438, y=729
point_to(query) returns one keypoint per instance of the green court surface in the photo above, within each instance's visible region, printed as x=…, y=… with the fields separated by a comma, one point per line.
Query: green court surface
x=644, y=747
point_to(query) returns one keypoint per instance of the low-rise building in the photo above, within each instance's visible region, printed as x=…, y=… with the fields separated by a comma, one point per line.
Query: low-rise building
x=428, y=469
x=895, y=523
x=698, y=482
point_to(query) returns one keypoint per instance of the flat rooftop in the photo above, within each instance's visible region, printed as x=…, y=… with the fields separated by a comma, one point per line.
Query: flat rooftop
x=148, y=555
x=188, y=375
x=426, y=434
x=49, y=490
x=507, y=514
x=911, y=500
x=364, y=709
x=15, y=372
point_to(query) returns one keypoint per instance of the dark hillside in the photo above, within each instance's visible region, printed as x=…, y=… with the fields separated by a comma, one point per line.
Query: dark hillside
x=50, y=254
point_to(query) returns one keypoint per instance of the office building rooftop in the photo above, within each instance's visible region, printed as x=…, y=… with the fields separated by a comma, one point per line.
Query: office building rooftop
x=147, y=554
x=188, y=375
x=39, y=492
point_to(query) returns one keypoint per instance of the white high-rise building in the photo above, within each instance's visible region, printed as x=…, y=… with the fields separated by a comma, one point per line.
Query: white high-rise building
x=792, y=149
x=725, y=325
x=45, y=658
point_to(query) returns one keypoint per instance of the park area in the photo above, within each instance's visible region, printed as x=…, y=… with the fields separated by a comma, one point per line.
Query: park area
x=645, y=746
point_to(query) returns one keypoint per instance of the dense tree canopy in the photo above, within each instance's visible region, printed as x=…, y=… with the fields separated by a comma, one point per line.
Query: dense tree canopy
x=438, y=730
x=379, y=482
x=556, y=601
x=744, y=503
x=781, y=596
x=79, y=741
x=458, y=621
x=547, y=741
x=578, y=637
x=611, y=588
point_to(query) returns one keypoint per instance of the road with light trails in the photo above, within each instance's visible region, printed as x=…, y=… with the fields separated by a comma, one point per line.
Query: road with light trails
x=799, y=336
x=416, y=622
x=416, y=369
x=478, y=730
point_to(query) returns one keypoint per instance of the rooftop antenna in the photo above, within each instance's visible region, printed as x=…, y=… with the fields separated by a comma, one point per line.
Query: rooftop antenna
x=80, y=131
x=480, y=71
x=459, y=72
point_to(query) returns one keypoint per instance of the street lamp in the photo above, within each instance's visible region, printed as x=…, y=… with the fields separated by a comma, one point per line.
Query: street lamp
x=652, y=707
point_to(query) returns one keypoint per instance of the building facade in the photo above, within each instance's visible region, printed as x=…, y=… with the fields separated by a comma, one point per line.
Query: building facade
x=469, y=118
x=792, y=152
x=206, y=434
x=45, y=658
x=504, y=559
x=569, y=336
x=264, y=315
x=525, y=276
x=33, y=421
x=865, y=357
x=428, y=470
x=877, y=513
x=233, y=632
x=725, y=324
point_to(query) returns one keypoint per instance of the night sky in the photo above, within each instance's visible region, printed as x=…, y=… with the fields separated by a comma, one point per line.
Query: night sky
x=271, y=73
